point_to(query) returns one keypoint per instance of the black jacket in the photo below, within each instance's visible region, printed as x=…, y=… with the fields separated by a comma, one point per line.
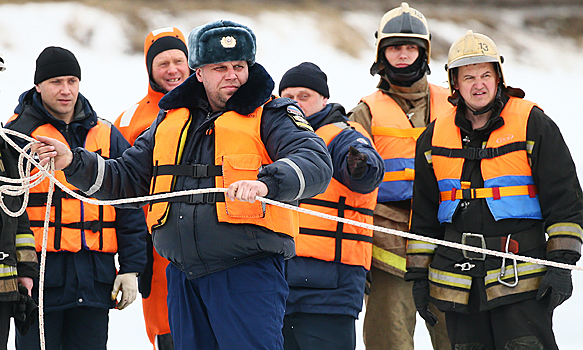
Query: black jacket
x=554, y=175
x=190, y=237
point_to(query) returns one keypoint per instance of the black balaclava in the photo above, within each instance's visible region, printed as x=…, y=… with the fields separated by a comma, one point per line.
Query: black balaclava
x=408, y=75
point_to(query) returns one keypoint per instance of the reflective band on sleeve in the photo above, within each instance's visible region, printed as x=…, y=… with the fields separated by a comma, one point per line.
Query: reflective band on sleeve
x=420, y=247
x=100, y=175
x=7, y=271
x=524, y=269
x=565, y=229
x=300, y=175
x=389, y=258
x=450, y=279
x=24, y=240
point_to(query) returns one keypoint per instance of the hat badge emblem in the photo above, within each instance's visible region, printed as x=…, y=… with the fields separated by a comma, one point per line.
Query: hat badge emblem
x=228, y=42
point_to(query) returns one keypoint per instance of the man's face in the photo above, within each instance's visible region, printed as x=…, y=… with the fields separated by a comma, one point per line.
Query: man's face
x=477, y=84
x=222, y=80
x=59, y=95
x=309, y=100
x=170, y=69
x=401, y=56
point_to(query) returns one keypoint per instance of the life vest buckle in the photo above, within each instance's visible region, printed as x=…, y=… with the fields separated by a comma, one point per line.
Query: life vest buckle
x=200, y=170
x=474, y=240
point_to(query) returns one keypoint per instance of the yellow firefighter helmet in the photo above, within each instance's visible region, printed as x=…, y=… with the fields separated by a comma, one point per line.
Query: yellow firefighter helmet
x=472, y=48
x=402, y=25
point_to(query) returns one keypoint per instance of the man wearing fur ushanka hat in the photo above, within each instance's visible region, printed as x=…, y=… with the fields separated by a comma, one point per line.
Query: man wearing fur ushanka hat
x=221, y=127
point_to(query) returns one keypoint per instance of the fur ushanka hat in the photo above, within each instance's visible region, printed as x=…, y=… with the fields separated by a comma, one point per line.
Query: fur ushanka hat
x=220, y=41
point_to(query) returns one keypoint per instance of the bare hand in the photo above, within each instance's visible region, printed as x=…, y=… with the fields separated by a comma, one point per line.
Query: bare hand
x=51, y=148
x=247, y=190
x=27, y=282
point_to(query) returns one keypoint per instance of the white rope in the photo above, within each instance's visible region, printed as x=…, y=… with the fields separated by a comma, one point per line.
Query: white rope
x=21, y=186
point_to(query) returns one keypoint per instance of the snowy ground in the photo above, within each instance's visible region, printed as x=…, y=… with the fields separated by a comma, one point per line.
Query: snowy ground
x=549, y=71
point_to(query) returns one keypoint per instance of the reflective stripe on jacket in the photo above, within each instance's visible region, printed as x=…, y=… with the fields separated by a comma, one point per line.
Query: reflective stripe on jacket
x=395, y=138
x=234, y=161
x=330, y=240
x=508, y=184
x=74, y=225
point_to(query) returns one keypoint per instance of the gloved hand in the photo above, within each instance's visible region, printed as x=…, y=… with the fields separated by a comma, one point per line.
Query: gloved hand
x=557, y=284
x=24, y=311
x=356, y=162
x=421, y=298
x=127, y=283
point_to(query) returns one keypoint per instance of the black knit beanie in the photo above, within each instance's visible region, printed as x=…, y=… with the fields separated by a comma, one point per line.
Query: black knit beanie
x=55, y=61
x=162, y=44
x=306, y=75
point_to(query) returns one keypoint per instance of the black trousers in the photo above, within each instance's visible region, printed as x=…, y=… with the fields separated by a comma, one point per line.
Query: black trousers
x=78, y=328
x=522, y=325
x=5, y=315
x=303, y=331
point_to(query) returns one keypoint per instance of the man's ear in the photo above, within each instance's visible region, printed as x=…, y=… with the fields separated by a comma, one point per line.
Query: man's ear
x=198, y=75
x=37, y=88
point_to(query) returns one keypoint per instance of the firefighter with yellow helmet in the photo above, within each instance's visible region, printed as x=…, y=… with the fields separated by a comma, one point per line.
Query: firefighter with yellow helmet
x=395, y=115
x=486, y=177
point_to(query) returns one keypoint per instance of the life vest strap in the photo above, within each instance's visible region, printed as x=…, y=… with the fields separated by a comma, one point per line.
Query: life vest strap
x=395, y=132
x=402, y=175
x=494, y=192
x=191, y=170
x=335, y=205
x=473, y=153
x=333, y=234
x=197, y=198
x=39, y=199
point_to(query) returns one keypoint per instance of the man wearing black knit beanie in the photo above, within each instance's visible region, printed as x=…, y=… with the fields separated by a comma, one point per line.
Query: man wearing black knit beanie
x=81, y=283
x=326, y=278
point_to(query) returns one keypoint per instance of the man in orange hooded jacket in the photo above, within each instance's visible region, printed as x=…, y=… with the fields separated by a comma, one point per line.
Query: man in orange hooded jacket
x=167, y=64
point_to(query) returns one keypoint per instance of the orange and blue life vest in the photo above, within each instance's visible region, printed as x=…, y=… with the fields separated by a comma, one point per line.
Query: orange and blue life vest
x=329, y=240
x=234, y=161
x=395, y=139
x=509, y=187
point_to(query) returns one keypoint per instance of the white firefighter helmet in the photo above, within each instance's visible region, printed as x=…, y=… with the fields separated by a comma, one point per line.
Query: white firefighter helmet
x=399, y=26
x=472, y=48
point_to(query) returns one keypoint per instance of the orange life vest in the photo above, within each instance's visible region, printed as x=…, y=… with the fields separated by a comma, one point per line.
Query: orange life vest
x=239, y=155
x=330, y=240
x=74, y=225
x=395, y=140
x=508, y=184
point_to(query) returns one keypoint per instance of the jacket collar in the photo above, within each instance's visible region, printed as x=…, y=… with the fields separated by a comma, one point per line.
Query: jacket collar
x=254, y=93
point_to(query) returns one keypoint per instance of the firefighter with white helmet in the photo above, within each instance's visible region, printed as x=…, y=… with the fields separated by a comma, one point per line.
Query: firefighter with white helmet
x=486, y=177
x=395, y=115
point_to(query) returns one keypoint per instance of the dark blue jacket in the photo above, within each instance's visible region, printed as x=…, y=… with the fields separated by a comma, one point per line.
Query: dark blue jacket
x=192, y=238
x=325, y=287
x=84, y=278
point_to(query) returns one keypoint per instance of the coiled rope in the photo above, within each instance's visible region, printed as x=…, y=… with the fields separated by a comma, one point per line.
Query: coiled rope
x=21, y=186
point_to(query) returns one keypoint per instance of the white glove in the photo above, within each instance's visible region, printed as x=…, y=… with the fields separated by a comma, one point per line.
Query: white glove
x=127, y=283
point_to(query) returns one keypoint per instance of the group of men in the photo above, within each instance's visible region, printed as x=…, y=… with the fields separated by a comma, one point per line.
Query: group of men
x=471, y=164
